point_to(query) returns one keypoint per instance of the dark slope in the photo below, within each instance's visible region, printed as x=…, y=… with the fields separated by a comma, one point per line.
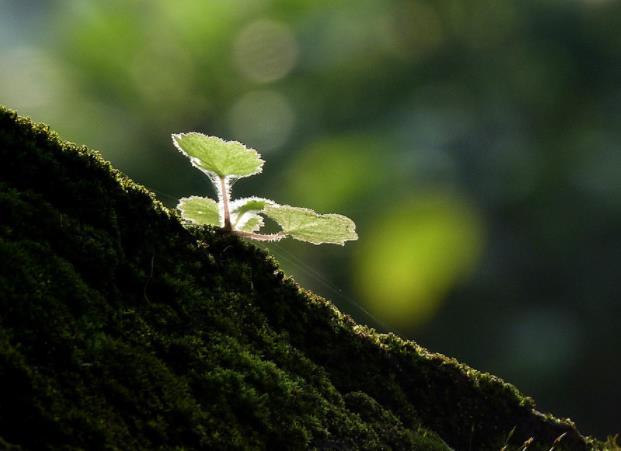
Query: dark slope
x=119, y=328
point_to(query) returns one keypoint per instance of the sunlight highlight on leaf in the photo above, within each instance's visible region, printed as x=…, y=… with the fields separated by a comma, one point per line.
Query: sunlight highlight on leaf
x=245, y=213
x=200, y=210
x=214, y=155
x=307, y=225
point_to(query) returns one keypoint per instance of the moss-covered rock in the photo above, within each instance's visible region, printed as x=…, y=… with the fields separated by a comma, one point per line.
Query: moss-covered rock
x=121, y=329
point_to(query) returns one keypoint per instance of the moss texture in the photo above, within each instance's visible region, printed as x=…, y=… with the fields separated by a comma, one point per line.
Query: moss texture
x=121, y=329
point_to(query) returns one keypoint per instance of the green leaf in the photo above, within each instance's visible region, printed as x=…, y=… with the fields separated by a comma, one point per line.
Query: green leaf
x=307, y=225
x=252, y=224
x=245, y=213
x=217, y=156
x=200, y=210
x=223, y=161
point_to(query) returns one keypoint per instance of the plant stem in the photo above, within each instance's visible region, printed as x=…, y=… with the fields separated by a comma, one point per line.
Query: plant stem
x=224, y=198
x=260, y=236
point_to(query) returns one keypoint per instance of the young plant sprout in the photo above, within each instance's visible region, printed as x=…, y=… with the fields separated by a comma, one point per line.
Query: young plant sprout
x=226, y=161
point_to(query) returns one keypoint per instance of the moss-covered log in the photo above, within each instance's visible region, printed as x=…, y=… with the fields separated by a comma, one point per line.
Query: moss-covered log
x=121, y=329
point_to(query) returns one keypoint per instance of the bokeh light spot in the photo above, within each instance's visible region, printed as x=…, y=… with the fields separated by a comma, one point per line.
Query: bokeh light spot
x=328, y=173
x=414, y=254
x=265, y=51
x=262, y=119
x=34, y=80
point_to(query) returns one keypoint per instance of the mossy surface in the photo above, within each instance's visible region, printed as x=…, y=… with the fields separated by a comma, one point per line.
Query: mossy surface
x=121, y=329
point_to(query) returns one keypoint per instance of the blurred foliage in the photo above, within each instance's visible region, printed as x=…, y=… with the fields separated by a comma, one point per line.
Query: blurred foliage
x=486, y=180
x=414, y=254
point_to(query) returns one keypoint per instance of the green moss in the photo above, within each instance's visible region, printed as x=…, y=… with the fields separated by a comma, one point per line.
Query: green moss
x=119, y=328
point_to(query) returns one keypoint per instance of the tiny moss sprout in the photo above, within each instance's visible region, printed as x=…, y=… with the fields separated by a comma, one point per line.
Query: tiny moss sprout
x=226, y=161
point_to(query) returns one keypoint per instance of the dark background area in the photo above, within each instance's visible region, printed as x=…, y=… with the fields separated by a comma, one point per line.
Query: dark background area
x=475, y=144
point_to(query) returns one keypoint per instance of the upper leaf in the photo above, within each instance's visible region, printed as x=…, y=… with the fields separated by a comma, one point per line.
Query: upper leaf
x=307, y=225
x=217, y=156
x=200, y=210
x=245, y=213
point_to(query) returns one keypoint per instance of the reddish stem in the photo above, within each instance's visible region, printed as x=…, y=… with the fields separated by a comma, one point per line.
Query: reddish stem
x=224, y=197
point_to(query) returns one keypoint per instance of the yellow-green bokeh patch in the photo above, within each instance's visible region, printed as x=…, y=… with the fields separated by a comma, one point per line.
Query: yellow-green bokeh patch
x=414, y=254
x=333, y=172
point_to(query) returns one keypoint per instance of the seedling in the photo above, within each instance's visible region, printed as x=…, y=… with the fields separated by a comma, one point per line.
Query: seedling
x=226, y=161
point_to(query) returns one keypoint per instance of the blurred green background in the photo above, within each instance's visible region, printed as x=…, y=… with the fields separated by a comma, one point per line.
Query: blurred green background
x=475, y=144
